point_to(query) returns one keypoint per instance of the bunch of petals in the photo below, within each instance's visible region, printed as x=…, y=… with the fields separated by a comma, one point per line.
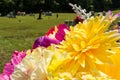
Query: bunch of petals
x=9, y=67
x=87, y=45
x=34, y=65
x=82, y=76
x=112, y=70
x=54, y=36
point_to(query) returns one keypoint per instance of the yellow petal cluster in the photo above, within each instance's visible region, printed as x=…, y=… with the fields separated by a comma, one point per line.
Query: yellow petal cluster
x=85, y=46
x=81, y=76
x=114, y=69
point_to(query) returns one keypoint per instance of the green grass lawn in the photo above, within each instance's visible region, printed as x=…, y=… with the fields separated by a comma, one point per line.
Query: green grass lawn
x=19, y=33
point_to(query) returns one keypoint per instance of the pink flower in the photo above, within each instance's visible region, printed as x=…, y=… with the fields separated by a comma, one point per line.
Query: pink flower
x=61, y=32
x=9, y=67
x=4, y=77
x=54, y=36
x=17, y=57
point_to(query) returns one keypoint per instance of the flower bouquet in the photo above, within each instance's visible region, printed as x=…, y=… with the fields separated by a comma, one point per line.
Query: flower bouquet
x=85, y=51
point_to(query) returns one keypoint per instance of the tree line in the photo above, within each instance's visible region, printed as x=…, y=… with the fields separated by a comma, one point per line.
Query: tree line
x=34, y=6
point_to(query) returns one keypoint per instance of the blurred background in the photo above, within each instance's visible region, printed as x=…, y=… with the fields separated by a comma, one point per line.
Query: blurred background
x=34, y=6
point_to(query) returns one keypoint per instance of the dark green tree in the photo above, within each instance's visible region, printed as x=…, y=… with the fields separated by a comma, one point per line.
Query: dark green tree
x=115, y=4
x=6, y=6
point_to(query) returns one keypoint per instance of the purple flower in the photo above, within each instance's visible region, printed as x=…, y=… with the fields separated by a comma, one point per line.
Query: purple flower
x=110, y=13
x=114, y=16
x=44, y=41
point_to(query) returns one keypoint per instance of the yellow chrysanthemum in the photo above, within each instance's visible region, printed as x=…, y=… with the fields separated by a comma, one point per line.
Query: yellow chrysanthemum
x=112, y=70
x=81, y=76
x=86, y=45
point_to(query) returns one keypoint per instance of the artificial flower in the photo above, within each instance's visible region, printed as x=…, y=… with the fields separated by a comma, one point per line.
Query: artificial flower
x=44, y=41
x=9, y=67
x=54, y=36
x=81, y=76
x=80, y=12
x=4, y=77
x=87, y=45
x=58, y=32
x=114, y=69
x=61, y=31
x=34, y=65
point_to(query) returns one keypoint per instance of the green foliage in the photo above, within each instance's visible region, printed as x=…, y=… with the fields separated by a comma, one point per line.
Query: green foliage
x=55, y=5
x=20, y=33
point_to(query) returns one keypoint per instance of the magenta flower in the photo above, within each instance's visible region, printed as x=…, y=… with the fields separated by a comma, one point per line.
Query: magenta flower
x=46, y=40
x=4, y=77
x=61, y=32
x=17, y=57
x=9, y=67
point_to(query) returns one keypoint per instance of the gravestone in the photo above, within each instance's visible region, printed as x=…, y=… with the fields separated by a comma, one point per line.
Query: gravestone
x=11, y=15
x=48, y=13
x=69, y=22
